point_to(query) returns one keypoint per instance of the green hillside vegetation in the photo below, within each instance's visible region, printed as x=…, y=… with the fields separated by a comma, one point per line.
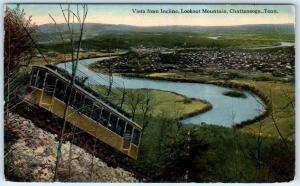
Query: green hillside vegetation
x=102, y=28
x=127, y=40
x=283, y=106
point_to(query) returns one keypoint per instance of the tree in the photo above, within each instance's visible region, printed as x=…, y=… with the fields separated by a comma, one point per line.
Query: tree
x=181, y=154
x=146, y=108
x=110, y=77
x=19, y=48
x=124, y=92
x=134, y=99
x=18, y=45
x=70, y=17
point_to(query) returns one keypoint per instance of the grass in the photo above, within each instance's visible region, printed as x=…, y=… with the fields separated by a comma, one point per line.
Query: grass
x=283, y=100
x=176, y=105
x=166, y=103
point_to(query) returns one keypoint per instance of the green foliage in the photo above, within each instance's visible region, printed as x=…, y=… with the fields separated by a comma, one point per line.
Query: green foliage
x=281, y=160
x=234, y=94
x=181, y=153
x=18, y=46
x=18, y=52
x=216, y=154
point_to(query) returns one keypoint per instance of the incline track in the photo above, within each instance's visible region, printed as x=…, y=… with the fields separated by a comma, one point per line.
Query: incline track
x=52, y=123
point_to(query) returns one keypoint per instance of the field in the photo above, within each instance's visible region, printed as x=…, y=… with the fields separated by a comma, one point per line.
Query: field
x=283, y=106
x=169, y=104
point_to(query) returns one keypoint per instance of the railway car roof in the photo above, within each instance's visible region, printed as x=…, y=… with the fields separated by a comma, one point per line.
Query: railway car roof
x=88, y=93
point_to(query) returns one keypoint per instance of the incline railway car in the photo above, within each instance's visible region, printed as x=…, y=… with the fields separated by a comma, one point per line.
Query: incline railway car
x=86, y=110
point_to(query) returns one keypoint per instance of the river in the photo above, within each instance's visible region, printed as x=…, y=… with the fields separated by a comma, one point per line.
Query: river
x=280, y=44
x=215, y=37
x=226, y=111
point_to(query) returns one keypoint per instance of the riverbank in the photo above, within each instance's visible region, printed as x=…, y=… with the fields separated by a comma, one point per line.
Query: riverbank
x=278, y=97
x=265, y=100
x=160, y=102
x=183, y=106
x=207, y=106
x=58, y=58
x=196, y=112
x=228, y=84
x=281, y=109
x=243, y=84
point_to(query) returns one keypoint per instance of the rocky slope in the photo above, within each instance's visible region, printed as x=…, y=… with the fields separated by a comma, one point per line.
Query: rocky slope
x=30, y=155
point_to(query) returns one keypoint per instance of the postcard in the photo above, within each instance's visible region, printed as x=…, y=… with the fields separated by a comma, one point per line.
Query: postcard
x=149, y=92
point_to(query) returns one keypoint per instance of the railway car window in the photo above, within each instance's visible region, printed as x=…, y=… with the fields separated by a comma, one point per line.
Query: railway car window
x=68, y=90
x=40, y=79
x=105, y=114
x=60, y=90
x=50, y=80
x=120, y=127
x=113, y=122
x=71, y=94
x=72, y=98
x=78, y=102
x=104, y=117
x=136, y=137
x=96, y=113
x=88, y=106
x=34, y=76
x=50, y=84
x=128, y=132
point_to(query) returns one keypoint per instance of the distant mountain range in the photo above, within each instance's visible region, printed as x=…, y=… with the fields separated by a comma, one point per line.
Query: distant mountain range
x=98, y=28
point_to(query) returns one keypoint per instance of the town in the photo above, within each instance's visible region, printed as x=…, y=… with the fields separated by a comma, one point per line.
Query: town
x=279, y=64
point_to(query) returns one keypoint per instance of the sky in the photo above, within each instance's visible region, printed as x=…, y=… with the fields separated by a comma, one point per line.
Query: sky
x=123, y=14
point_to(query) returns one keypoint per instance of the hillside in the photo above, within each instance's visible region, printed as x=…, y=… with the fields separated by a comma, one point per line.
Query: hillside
x=106, y=37
x=99, y=28
x=30, y=156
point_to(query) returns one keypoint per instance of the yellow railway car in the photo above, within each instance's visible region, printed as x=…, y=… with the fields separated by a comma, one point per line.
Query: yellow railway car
x=86, y=111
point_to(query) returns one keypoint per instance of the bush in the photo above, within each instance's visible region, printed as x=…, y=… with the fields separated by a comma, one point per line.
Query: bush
x=234, y=94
